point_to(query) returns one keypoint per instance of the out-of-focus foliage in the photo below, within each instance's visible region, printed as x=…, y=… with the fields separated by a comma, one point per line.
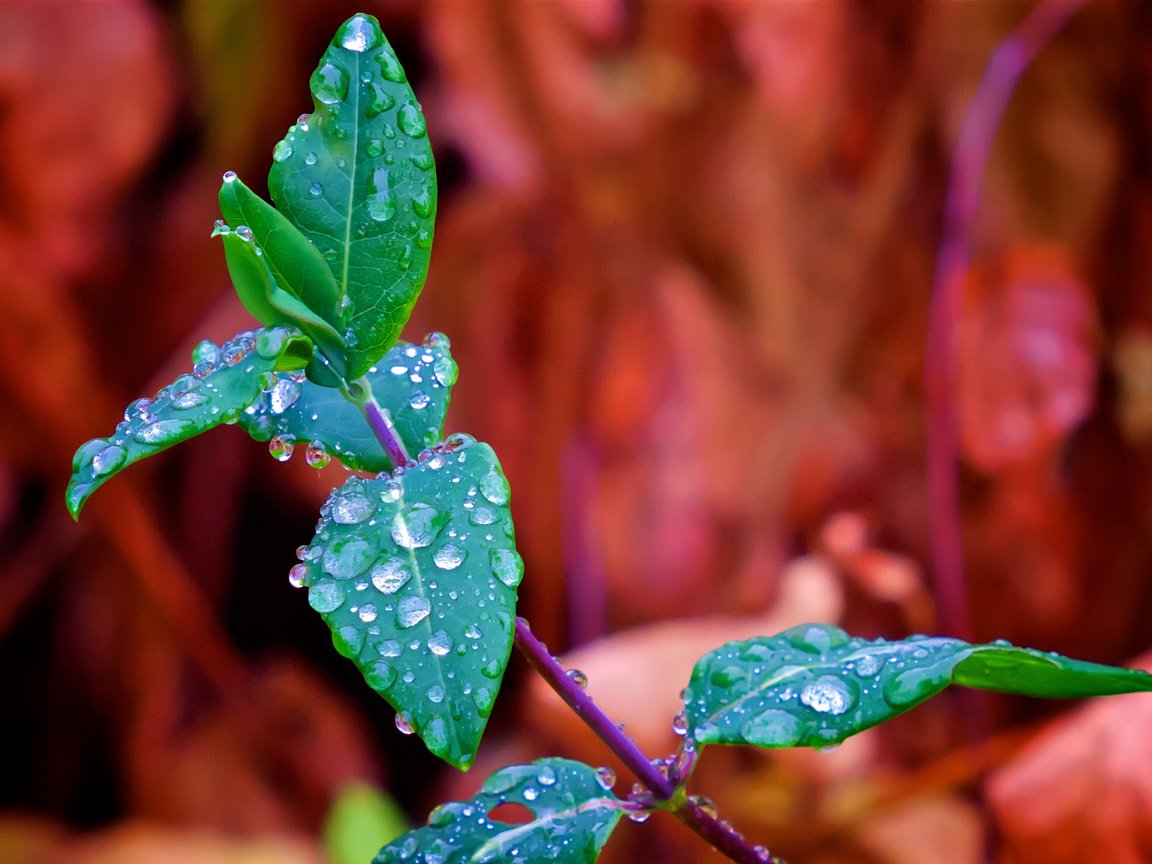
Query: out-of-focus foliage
x=683, y=255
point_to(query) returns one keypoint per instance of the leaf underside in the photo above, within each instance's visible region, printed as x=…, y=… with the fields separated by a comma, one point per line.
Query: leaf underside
x=357, y=177
x=416, y=574
x=572, y=817
x=226, y=379
x=413, y=381
x=814, y=685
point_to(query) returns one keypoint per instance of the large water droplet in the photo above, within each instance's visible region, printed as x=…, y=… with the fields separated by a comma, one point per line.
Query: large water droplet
x=494, y=487
x=298, y=575
x=448, y=557
x=390, y=67
x=577, y=677
x=281, y=151
x=606, y=777
x=411, y=610
x=435, y=694
x=206, y=351
x=351, y=507
x=317, y=456
x=391, y=648
x=358, y=34
x=419, y=400
x=828, y=695
x=411, y=121
x=774, y=728
x=108, y=459
x=283, y=395
x=440, y=643
x=914, y=686
x=418, y=526
x=423, y=204
x=390, y=575
x=367, y=613
x=281, y=446
x=330, y=84
x=325, y=596
x=403, y=726
x=315, y=190
x=381, y=206
x=164, y=432
x=380, y=675
x=868, y=665
x=379, y=100
x=348, y=557
x=507, y=565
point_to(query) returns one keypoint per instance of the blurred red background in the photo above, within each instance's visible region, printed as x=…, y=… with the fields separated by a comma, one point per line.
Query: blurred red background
x=684, y=255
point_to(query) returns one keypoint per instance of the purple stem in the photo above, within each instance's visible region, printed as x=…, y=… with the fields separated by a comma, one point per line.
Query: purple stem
x=385, y=432
x=721, y=835
x=969, y=161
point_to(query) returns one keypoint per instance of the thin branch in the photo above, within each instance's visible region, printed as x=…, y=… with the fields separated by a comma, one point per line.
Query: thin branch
x=969, y=161
x=385, y=432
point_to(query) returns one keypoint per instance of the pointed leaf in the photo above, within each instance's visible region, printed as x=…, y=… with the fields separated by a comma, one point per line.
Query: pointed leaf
x=358, y=179
x=296, y=264
x=226, y=379
x=572, y=817
x=270, y=304
x=814, y=685
x=414, y=382
x=416, y=574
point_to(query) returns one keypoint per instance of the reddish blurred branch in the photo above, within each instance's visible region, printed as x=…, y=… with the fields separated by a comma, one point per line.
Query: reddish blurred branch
x=970, y=158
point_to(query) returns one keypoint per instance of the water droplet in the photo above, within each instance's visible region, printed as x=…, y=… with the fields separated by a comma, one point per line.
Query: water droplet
x=374, y=147
x=639, y=815
x=281, y=446
x=379, y=100
x=325, y=596
x=329, y=84
x=403, y=726
x=298, y=575
x=411, y=610
x=390, y=67
x=206, y=351
x=348, y=557
x=530, y=793
x=381, y=206
x=492, y=669
x=351, y=507
x=281, y=151
x=315, y=190
x=868, y=665
x=422, y=160
x=164, y=432
x=245, y=234
x=606, y=777
x=448, y=557
x=108, y=460
x=418, y=526
x=473, y=632
x=507, y=566
x=915, y=685
x=578, y=678
x=440, y=643
x=435, y=694
x=380, y=675
x=411, y=121
x=138, y=409
x=680, y=723
x=309, y=158
x=317, y=456
x=828, y=695
x=367, y=613
x=358, y=34
x=494, y=487
x=774, y=728
x=230, y=176
x=423, y=204
x=706, y=804
x=283, y=395
x=420, y=400
x=390, y=575
x=546, y=777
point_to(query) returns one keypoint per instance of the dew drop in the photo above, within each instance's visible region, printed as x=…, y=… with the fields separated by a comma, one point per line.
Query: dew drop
x=281, y=446
x=351, y=507
x=403, y=726
x=348, y=557
x=191, y=399
x=530, y=793
x=411, y=610
x=283, y=395
x=507, y=566
x=325, y=596
x=329, y=84
x=828, y=695
x=773, y=728
x=358, y=34
x=423, y=204
x=379, y=100
x=435, y=694
x=578, y=678
x=108, y=460
x=309, y=158
x=391, y=648
x=440, y=643
x=315, y=190
x=206, y=351
x=367, y=613
x=680, y=723
x=380, y=675
x=473, y=632
x=281, y=151
x=606, y=777
x=418, y=526
x=419, y=400
x=381, y=206
x=230, y=176
x=317, y=456
x=546, y=777
x=494, y=487
x=448, y=557
x=164, y=432
x=868, y=665
x=390, y=67
x=411, y=121
x=390, y=575
x=298, y=575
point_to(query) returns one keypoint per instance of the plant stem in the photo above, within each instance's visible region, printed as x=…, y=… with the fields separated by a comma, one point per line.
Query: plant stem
x=719, y=834
x=385, y=432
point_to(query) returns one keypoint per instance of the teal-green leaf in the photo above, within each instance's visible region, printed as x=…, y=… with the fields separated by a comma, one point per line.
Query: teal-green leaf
x=416, y=574
x=296, y=264
x=225, y=380
x=412, y=381
x=572, y=817
x=814, y=685
x=357, y=177
x=270, y=304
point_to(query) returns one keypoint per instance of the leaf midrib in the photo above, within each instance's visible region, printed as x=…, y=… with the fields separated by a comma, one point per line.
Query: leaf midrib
x=352, y=178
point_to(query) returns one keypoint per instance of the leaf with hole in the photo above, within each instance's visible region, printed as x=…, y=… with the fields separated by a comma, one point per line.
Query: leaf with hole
x=412, y=381
x=416, y=574
x=568, y=817
x=225, y=380
x=357, y=177
x=814, y=685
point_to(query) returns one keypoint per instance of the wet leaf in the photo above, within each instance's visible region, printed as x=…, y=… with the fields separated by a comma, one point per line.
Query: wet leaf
x=416, y=573
x=571, y=818
x=357, y=177
x=413, y=381
x=814, y=685
x=225, y=380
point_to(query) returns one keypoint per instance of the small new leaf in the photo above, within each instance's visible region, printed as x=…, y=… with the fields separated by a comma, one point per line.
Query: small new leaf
x=814, y=685
x=357, y=177
x=226, y=380
x=416, y=574
x=413, y=382
x=571, y=818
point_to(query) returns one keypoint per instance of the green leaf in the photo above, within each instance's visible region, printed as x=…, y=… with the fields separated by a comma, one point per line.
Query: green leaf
x=358, y=179
x=225, y=380
x=572, y=817
x=270, y=304
x=362, y=817
x=416, y=573
x=814, y=685
x=297, y=265
x=414, y=382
